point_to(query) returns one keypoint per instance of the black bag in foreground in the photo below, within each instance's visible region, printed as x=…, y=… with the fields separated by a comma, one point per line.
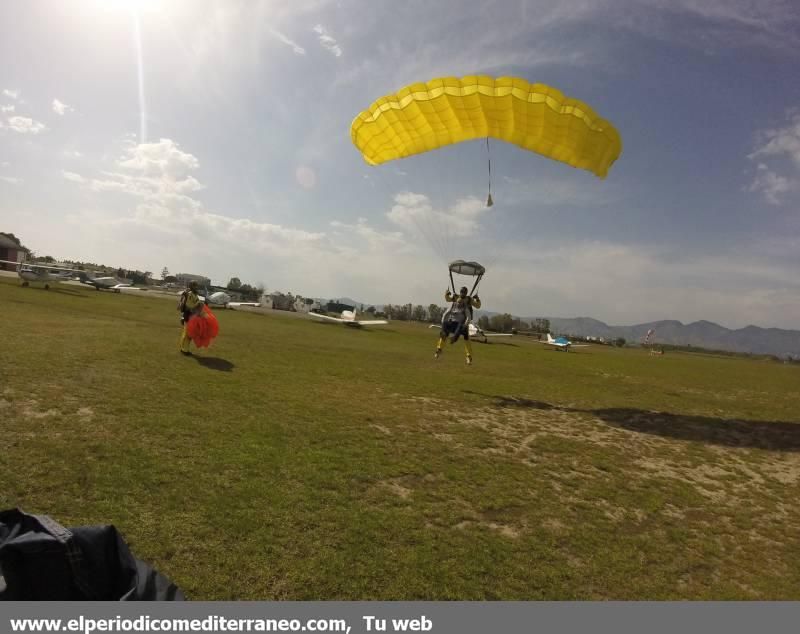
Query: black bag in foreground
x=40, y=560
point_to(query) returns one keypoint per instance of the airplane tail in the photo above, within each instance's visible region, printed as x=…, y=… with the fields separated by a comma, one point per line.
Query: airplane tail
x=550, y=338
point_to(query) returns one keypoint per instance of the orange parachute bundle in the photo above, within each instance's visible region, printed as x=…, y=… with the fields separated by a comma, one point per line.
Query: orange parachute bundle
x=203, y=328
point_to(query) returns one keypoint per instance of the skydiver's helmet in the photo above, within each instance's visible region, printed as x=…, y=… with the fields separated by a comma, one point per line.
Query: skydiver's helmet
x=463, y=292
x=193, y=285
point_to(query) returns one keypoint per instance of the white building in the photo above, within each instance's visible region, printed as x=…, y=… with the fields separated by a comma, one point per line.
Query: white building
x=185, y=278
x=305, y=305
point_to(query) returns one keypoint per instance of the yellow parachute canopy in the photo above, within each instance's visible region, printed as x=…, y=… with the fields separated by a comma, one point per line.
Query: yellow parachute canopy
x=535, y=117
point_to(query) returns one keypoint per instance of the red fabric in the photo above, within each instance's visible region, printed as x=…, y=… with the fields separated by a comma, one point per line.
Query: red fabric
x=203, y=328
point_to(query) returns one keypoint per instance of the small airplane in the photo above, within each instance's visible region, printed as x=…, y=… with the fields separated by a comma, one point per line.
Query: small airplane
x=349, y=318
x=106, y=283
x=475, y=331
x=43, y=273
x=222, y=299
x=562, y=342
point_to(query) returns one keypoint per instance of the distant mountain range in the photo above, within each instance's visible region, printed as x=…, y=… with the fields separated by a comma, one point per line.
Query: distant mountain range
x=702, y=334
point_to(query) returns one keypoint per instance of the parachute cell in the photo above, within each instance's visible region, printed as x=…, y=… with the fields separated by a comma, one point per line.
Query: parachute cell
x=535, y=117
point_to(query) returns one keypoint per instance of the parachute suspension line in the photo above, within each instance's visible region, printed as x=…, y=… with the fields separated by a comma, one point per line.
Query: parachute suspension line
x=489, y=201
x=475, y=285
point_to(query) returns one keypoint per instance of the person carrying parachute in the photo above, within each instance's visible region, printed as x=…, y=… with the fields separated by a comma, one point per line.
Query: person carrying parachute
x=199, y=323
x=456, y=320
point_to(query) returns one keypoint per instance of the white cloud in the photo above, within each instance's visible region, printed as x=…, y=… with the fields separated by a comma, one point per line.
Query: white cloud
x=148, y=170
x=8, y=108
x=713, y=24
x=781, y=142
x=13, y=94
x=622, y=284
x=153, y=171
x=72, y=154
x=777, y=144
x=25, y=125
x=72, y=177
x=60, y=108
x=381, y=242
x=415, y=212
x=161, y=158
x=11, y=180
x=327, y=41
x=296, y=48
x=772, y=185
x=159, y=174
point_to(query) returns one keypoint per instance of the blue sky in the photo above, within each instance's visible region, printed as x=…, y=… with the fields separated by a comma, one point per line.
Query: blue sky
x=217, y=142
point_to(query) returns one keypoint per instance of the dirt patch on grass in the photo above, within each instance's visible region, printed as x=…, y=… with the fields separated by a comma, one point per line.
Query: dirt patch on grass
x=404, y=486
x=396, y=488
x=585, y=462
x=502, y=529
x=552, y=525
x=518, y=433
x=31, y=409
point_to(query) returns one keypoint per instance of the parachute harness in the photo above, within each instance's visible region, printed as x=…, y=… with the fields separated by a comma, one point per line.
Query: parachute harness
x=463, y=268
x=474, y=286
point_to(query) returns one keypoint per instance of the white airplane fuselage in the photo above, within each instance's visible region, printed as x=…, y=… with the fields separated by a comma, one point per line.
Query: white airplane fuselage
x=38, y=276
x=105, y=283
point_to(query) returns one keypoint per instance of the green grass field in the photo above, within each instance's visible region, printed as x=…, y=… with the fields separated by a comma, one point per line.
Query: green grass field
x=299, y=460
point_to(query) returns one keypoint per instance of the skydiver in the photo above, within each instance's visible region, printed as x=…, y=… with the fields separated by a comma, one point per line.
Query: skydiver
x=190, y=305
x=456, y=321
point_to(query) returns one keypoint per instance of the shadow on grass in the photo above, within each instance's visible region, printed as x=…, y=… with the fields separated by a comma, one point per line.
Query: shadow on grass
x=69, y=291
x=215, y=363
x=751, y=434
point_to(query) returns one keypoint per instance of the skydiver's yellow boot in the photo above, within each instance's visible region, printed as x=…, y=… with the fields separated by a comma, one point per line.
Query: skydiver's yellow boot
x=185, y=341
x=468, y=349
x=439, y=344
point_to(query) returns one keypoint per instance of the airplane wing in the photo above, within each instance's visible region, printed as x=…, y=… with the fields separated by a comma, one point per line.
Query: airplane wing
x=328, y=317
x=371, y=323
x=256, y=304
x=497, y=334
x=36, y=265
